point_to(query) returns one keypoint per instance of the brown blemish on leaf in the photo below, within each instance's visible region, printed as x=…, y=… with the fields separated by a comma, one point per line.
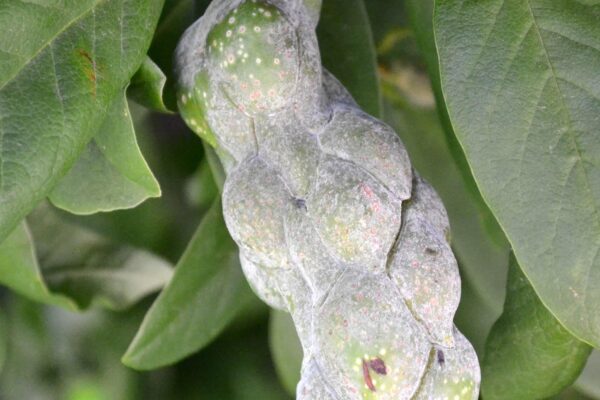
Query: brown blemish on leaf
x=90, y=69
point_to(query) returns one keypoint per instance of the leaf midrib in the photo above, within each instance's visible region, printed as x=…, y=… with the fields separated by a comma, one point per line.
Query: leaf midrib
x=67, y=26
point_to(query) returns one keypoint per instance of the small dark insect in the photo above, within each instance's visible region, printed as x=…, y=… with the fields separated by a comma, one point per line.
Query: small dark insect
x=441, y=359
x=429, y=250
x=300, y=203
x=367, y=376
x=378, y=366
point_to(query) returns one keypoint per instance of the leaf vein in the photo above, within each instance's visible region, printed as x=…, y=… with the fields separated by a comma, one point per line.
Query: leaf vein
x=565, y=36
x=486, y=40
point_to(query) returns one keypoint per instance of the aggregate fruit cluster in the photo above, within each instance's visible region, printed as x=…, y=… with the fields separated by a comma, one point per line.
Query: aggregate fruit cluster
x=332, y=223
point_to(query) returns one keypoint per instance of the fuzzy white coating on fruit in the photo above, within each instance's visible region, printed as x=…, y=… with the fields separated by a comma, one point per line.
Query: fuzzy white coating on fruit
x=332, y=223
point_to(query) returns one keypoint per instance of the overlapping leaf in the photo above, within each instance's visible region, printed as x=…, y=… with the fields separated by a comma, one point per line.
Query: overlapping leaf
x=111, y=173
x=20, y=271
x=207, y=291
x=520, y=79
x=348, y=52
x=529, y=354
x=63, y=63
x=148, y=86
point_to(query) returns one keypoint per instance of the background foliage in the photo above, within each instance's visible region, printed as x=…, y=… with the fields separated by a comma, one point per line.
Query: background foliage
x=106, y=198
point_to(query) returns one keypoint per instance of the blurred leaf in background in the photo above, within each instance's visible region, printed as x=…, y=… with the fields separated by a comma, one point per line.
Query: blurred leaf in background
x=3, y=339
x=56, y=354
x=53, y=354
x=588, y=383
x=89, y=268
x=285, y=349
x=348, y=52
x=21, y=272
x=236, y=366
x=73, y=267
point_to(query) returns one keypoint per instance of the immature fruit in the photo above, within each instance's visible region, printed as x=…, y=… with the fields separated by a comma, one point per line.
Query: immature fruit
x=332, y=224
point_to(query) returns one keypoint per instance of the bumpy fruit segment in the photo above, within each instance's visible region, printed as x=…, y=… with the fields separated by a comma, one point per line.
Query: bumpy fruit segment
x=253, y=52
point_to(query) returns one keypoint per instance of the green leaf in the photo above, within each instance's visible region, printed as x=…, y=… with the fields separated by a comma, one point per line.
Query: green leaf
x=3, y=339
x=148, y=85
x=520, y=79
x=63, y=63
x=201, y=189
x=588, y=382
x=286, y=350
x=111, y=173
x=50, y=350
x=20, y=271
x=529, y=354
x=177, y=15
x=207, y=291
x=90, y=268
x=348, y=52
x=30, y=354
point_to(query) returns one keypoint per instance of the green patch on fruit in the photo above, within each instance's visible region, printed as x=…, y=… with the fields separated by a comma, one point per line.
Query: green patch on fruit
x=371, y=373
x=254, y=49
x=457, y=388
x=193, y=106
